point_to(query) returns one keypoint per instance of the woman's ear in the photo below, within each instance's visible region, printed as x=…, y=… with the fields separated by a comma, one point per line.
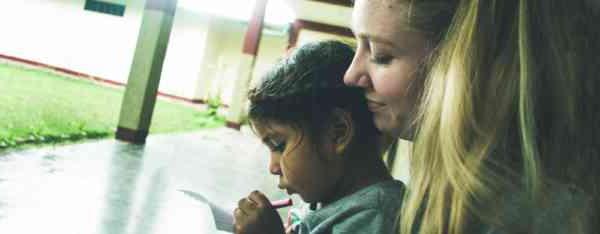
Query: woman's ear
x=341, y=131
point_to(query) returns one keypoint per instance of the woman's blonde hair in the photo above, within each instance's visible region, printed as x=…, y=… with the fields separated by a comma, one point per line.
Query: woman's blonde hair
x=511, y=102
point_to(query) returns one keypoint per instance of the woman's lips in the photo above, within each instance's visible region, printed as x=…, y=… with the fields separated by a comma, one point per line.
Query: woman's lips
x=374, y=106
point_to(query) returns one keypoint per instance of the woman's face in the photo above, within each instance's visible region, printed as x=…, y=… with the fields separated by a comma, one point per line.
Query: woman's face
x=301, y=169
x=387, y=62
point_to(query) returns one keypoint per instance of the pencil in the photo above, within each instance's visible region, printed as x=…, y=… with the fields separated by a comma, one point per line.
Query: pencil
x=282, y=203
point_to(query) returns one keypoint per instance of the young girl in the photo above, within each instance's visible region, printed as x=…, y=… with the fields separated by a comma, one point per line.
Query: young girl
x=324, y=147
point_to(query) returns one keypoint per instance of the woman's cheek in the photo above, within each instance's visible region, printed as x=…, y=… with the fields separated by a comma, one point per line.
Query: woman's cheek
x=391, y=88
x=392, y=81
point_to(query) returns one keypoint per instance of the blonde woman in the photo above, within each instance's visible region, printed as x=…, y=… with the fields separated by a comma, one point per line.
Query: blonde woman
x=395, y=39
x=506, y=139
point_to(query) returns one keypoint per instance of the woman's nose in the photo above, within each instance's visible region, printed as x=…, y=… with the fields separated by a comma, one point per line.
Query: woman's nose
x=357, y=74
x=274, y=166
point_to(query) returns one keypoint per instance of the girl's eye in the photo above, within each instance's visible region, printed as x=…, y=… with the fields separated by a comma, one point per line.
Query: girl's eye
x=278, y=146
x=381, y=59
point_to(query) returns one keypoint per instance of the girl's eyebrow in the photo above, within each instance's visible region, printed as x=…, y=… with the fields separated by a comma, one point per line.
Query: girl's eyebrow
x=270, y=142
x=266, y=139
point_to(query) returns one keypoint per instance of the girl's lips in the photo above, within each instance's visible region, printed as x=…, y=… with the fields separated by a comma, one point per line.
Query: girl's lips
x=288, y=190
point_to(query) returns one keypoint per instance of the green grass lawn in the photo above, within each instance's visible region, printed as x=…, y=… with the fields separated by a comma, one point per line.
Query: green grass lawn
x=38, y=107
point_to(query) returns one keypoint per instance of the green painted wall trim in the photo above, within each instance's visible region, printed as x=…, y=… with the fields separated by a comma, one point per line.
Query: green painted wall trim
x=105, y=7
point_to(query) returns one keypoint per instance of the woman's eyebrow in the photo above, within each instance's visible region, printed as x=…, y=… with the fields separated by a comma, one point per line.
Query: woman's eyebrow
x=376, y=39
x=381, y=40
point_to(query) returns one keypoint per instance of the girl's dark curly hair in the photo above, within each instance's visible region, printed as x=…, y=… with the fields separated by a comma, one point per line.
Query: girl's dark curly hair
x=306, y=88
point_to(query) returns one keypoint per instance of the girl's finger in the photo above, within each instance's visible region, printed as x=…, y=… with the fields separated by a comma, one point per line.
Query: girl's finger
x=239, y=213
x=247, y=205
x=260, y=199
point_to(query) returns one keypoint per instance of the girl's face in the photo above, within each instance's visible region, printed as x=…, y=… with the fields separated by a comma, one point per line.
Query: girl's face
x=301, y=168
x=386, y=63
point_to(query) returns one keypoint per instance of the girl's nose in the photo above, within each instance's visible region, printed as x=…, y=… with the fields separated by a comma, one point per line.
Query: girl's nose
x=274, y=166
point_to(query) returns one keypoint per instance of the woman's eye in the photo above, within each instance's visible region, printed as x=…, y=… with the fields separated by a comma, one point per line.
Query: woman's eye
x=381, y=59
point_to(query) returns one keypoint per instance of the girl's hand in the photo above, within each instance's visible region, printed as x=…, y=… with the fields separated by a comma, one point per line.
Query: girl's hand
x=254, y=215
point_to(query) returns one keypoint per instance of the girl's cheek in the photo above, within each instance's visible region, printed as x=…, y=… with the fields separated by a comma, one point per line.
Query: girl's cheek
x=286, y=167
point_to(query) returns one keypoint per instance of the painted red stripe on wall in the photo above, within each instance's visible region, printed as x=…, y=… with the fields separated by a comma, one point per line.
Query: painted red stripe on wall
x=95, y=78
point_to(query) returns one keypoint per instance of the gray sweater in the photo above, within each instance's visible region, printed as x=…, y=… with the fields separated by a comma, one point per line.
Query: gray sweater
x=564, y=210
x=370, y=210
x=374, y=209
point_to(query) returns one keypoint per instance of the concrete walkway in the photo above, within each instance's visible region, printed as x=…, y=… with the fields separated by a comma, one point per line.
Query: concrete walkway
x=109, y=187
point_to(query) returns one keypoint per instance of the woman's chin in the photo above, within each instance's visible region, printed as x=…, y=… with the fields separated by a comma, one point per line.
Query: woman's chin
x=386, y=128
x=390, y=127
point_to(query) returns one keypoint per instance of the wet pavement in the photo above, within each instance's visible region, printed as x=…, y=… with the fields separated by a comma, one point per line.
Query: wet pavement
x=110, y=187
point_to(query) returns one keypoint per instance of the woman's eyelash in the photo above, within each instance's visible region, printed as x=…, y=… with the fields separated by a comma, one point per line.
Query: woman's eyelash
x=382, y=59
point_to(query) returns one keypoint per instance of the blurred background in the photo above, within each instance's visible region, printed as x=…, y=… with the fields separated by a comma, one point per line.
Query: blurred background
x=64, y=64
x=109, y=109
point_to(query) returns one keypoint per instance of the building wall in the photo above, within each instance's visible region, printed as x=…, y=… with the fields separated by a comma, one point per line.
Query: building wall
x=200, y=61
x=185, y=54
x=221, y=58
x=62, y=34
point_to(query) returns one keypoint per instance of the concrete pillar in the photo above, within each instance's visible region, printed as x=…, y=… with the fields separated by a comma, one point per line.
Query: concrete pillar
x=293, y=33
x=246, y=65
x=208, y=65
x=144, y=77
